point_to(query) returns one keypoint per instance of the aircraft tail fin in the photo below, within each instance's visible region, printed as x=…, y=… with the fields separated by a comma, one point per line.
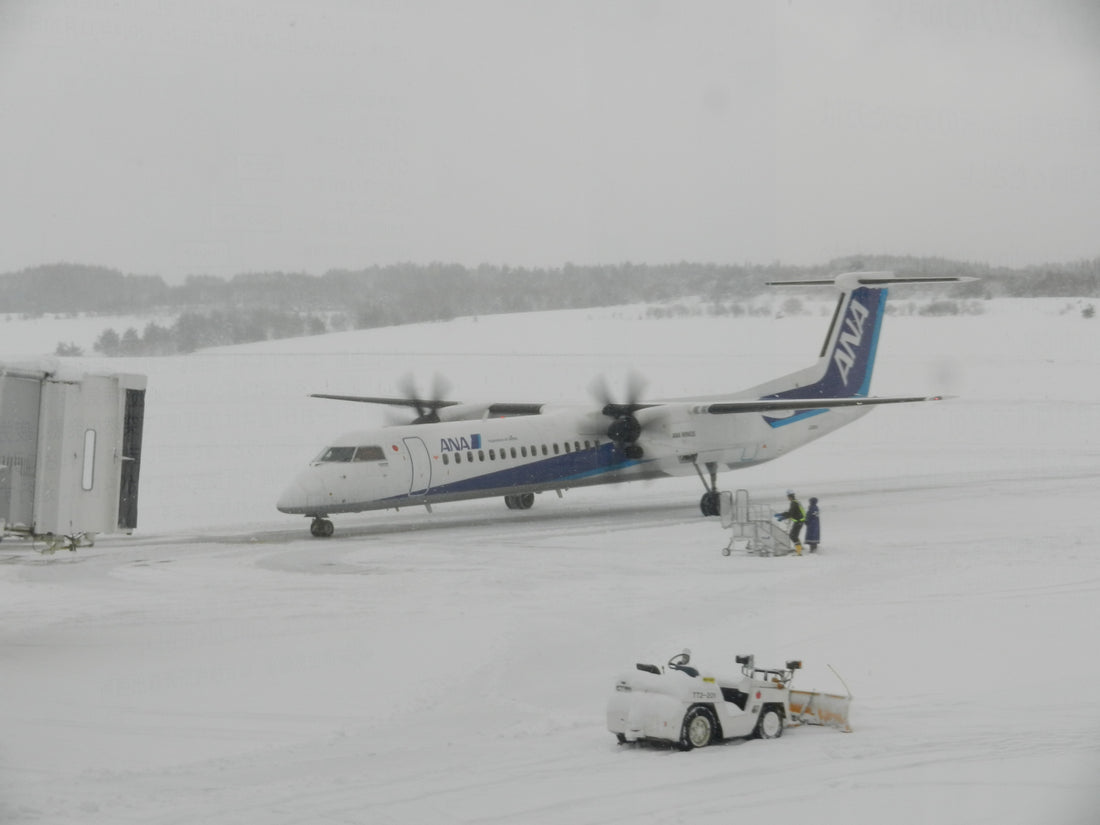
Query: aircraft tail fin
x=847, y=358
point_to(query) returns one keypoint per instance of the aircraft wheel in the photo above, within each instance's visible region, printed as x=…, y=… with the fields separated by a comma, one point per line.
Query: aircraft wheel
x=525, y=501
x=709, y=504
x=699, y=729
x=510, y=502
x=321, y=528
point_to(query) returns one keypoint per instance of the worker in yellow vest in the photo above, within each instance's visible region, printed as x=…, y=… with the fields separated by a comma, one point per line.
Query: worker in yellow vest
x=797, y=516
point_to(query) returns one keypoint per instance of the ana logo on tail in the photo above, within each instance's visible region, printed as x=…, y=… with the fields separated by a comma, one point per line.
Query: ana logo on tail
x=850, y=337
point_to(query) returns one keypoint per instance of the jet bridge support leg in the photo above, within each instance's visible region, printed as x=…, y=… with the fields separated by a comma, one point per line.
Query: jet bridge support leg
x=710, y=504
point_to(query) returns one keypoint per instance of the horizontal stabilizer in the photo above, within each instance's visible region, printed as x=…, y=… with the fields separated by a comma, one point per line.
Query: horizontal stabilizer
x=851, y=280
x=795, y=404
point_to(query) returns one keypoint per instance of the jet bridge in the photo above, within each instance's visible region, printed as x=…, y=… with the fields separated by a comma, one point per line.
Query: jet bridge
x=752, y=528
x=70, y=453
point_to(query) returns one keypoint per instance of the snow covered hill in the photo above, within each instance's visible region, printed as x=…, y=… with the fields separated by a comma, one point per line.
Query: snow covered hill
x=221, y=666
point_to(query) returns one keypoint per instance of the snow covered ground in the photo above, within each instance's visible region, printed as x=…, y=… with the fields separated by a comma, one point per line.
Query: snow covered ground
x=221, y=666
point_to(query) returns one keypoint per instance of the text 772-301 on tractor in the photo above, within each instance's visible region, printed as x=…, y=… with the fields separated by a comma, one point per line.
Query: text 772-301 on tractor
x=678, y=704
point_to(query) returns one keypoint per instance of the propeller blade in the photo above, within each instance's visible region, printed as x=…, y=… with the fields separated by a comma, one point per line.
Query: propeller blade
x=427, y=407
x=600, y=391
x=635, y=387
x=613, y=407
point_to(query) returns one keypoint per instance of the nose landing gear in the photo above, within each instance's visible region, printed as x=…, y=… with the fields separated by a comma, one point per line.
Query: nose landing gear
x=321, y=528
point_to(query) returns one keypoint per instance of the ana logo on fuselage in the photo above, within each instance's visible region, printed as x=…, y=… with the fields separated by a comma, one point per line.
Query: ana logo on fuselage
x=451, y=445
x=844, y=356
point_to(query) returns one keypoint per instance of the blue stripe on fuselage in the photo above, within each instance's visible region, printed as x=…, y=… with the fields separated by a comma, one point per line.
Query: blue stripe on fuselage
x=573, y=466
x=794, y=419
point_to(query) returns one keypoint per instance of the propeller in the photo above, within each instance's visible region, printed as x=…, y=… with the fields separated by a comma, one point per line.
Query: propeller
x=624, y=428
x=426, y=405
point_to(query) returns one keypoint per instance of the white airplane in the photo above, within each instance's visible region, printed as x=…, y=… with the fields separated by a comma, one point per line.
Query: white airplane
x=455, y=451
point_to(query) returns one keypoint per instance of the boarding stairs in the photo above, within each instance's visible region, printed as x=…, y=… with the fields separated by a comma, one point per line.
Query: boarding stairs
x=752, y=527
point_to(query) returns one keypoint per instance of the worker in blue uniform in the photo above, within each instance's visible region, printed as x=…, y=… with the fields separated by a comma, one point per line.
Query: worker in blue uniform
x=813, y=525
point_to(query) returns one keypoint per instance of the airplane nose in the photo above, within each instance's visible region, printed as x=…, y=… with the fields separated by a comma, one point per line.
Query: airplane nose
x=292, y=499
x=301, y=496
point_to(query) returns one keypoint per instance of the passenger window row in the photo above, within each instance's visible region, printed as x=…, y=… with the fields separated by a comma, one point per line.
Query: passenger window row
x=375, y=453
x=504, y=453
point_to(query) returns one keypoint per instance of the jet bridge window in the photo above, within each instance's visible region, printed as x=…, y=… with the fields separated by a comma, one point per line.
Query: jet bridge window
x=369, y=454
x=337, y=454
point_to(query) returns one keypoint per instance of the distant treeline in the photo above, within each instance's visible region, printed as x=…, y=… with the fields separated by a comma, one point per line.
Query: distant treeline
x=196, y=330
x=212, y=310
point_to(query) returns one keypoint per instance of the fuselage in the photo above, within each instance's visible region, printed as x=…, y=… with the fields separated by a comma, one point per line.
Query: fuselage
x=424, y=464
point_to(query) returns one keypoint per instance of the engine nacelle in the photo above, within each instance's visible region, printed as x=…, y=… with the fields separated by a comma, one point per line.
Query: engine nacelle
x=463, y=412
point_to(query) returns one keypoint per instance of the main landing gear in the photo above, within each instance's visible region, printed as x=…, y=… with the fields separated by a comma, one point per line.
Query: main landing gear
x=520, y=501
x=710, y=503
x=321, y=528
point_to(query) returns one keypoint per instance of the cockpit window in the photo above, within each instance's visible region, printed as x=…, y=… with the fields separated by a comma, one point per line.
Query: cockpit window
x=337, y=454
x=369, y=454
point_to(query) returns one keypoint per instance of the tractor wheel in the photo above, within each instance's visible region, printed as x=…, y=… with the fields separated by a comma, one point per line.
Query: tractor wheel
x=770, y=724
x=699, y=729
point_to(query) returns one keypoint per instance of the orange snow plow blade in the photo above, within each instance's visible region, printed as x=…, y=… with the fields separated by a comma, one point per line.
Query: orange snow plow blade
x=809, y=707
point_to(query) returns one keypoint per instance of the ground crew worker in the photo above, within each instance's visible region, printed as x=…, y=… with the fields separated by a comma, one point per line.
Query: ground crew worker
x=797, y=518
x=813, y=525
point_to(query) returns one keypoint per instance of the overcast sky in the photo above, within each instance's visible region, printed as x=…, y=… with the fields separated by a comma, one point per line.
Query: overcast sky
x=214, y=137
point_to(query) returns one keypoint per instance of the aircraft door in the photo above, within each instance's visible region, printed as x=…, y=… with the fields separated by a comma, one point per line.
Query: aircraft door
x=421, y=461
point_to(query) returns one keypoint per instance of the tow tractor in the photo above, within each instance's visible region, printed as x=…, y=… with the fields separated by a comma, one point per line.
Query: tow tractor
x=681, y=705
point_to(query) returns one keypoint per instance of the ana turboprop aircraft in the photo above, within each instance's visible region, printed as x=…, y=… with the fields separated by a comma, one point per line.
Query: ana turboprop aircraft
x=454, y=451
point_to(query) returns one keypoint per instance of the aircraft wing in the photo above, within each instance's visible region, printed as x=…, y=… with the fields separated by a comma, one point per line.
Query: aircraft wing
x=752, y=405
x=415, y=403
x=794, y=404
x=423, y=405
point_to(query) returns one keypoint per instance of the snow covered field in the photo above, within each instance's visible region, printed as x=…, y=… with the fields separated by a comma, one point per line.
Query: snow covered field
x=221, y=666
